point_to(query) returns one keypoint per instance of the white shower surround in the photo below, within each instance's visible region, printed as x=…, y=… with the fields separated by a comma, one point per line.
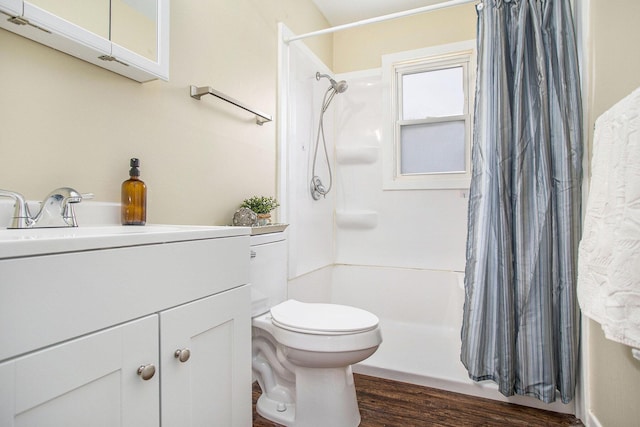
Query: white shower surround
x=398, y=254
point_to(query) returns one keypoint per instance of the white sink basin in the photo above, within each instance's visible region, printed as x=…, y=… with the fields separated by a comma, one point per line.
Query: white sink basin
x=41, y=241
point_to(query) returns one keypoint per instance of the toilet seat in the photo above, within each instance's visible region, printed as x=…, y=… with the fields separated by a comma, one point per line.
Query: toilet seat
x=322, y=319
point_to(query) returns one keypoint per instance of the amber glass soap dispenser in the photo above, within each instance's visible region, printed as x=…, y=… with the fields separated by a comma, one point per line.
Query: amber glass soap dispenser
x=134, y=197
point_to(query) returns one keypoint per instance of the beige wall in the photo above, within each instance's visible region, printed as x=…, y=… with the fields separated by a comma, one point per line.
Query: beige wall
x=361, y=48
x=614, y=376
x=68, y=123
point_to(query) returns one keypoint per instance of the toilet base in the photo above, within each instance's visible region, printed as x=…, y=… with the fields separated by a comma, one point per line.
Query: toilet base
x=324, y=397
x=278, y=412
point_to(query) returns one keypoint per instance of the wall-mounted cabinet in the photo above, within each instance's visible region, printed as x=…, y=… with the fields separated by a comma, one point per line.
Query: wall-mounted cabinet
x=11, y=7
x=128, y=37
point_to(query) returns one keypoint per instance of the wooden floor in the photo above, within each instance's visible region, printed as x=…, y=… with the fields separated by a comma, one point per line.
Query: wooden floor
x=386, y=403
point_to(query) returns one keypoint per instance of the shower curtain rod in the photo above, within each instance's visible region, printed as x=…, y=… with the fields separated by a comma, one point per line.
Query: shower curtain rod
x=403, y=14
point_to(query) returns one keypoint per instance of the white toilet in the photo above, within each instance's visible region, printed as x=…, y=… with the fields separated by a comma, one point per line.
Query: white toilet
x=303, y=352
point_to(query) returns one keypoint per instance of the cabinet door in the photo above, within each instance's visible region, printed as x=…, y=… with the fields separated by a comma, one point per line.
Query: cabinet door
x=12, y=7
x=91, y=381
x=43, y=13
x=140, y=34
x=212, y=387
x=86, y=29
x=134, y=25
x=92, y=15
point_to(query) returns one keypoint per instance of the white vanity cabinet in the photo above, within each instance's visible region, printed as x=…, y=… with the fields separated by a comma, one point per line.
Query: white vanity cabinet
x=143, y=335
x=128, y=38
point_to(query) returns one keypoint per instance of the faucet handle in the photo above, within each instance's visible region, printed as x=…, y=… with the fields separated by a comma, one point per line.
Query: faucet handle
x=21, y=215
x=66, y=195
x=69, y=213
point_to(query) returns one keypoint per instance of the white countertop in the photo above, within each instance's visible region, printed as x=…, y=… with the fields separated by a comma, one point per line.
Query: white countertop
x=42, y=241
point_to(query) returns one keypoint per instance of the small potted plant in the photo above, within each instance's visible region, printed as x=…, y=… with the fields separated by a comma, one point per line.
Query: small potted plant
x=262, y=206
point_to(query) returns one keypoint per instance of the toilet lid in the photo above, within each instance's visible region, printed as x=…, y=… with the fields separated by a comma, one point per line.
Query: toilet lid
x=322, y=318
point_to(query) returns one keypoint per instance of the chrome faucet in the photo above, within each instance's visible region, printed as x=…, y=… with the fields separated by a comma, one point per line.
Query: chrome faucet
x=56, y=210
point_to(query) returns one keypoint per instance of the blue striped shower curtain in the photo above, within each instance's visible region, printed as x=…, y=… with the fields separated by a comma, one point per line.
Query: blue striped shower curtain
x=521, y=318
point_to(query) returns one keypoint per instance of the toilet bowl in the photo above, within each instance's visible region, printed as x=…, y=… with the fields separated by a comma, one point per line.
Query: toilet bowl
x=304, y=368
x=302, y=352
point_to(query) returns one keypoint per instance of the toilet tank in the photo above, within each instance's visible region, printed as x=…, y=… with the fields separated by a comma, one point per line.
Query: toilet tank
x=268, y=271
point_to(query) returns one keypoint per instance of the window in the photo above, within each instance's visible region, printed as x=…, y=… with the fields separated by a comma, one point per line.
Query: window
x=429, y=125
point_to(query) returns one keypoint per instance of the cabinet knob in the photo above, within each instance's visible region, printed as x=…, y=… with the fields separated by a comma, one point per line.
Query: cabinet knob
x=182, y=354
x=147, y=372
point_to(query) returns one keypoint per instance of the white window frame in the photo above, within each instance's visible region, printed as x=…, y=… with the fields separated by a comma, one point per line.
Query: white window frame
x=394, y=66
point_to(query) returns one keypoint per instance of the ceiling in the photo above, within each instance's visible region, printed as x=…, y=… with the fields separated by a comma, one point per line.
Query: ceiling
x=340, y=12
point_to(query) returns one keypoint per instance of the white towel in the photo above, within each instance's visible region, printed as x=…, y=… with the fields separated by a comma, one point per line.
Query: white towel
x=609, y=254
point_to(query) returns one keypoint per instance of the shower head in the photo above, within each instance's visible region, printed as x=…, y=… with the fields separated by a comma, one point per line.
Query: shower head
x=339, y=87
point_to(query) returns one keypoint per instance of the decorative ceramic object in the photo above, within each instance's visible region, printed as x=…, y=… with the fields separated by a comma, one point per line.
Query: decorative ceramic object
x=264, y=219
x=245, y=217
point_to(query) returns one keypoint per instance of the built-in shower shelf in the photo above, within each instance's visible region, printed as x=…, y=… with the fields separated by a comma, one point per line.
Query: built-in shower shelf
x=357, y=154
x=358, y=220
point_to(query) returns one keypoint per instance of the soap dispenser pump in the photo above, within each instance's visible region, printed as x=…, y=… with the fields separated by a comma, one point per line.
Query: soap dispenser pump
x=134, y=197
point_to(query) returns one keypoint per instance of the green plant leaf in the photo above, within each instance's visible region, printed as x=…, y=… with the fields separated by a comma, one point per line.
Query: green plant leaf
x=260, y=204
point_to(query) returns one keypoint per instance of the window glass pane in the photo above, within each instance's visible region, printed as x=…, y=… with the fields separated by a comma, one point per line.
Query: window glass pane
x=436, y=93
x=432, y=148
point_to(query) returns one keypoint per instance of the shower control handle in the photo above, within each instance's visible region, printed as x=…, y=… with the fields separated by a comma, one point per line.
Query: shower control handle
x=317, y=189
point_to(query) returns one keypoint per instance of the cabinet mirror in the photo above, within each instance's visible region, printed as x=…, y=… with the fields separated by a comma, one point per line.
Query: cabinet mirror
x=92, y=15
x=134, y=26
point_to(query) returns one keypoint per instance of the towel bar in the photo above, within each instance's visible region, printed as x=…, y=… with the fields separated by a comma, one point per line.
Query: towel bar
x=198, y=92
